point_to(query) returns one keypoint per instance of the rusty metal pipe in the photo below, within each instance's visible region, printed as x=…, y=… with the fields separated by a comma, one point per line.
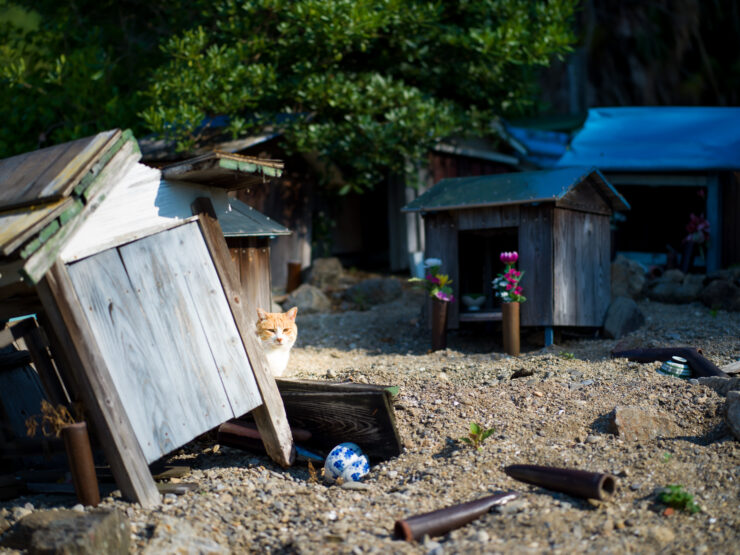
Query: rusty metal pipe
x=700, y=366
x=441, y=521
x=578, y=483
x=81, y=464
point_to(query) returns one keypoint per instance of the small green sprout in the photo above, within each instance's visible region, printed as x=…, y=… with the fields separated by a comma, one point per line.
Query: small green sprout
x=566, y=354
x=477, y=435
x=666, y=457
x=678, y=498
x=713, y=312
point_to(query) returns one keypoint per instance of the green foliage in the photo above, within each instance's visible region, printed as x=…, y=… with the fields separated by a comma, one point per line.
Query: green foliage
x=369, y=85
x=666, y=457
x=567, y=355
x=71, y=69
x=678, y=498
x=477, y=435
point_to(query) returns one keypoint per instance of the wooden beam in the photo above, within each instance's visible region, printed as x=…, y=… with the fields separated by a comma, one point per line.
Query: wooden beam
x=271, y=419
x=98, y=393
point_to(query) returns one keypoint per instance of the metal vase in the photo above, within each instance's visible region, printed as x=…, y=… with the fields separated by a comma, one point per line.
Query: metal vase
x=578, y=483
x=437, y=523
x=439, y=324
x=510, y=327
x=81, y=465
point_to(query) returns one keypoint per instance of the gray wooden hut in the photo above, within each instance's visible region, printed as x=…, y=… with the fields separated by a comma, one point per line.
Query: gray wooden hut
x=129, y=273
x=558, y=221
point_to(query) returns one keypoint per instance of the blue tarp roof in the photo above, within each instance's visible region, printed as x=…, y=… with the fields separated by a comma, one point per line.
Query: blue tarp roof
x=657, y=139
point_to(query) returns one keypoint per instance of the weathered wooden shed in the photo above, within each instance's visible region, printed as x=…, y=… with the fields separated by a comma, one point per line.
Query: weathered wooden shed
x=129, y=273
x=558, y=221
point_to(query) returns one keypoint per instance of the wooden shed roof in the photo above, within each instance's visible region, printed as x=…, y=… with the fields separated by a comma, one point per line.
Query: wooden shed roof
x=224, y=170
x=245, y=221
x=513, y=188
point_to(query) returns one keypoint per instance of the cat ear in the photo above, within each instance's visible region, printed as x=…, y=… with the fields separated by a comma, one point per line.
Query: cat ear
x=292, y=312
x=261, y=314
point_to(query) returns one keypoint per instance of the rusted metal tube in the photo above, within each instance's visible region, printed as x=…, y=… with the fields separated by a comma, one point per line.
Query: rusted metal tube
x=82, y=467
x=249, y=430
x=439, y=522
x=294, y=276
x=700, y=366
x=579, y=483
x=439, y=324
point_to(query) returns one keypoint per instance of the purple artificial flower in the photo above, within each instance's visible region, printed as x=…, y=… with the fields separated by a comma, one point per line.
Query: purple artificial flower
x=432, y=279
x=509, y=257
x=441, y=295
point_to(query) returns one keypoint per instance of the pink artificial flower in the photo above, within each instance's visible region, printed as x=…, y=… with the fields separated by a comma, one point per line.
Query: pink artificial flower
x=432, y=279
x=518, y=291
x=444, y=296
x=509, y=286
x=509, y=257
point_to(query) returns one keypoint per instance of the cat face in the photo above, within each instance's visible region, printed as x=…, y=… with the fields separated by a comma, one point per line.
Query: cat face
x=277, y=330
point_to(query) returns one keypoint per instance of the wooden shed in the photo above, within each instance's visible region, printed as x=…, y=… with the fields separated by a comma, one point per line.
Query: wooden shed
x=129, y=273
x=558, y=221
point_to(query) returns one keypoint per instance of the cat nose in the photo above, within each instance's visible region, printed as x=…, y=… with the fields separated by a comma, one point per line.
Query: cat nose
x=279, y=339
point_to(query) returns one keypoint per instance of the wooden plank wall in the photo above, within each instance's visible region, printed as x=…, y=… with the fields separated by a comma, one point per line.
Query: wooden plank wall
x=536, y=259
x=488, y=218
x=441, y=242
x=580, y=268
x=181, y=369
x=251, y=257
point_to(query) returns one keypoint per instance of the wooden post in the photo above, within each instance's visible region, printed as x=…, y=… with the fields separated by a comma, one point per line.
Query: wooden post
x=270, y=417
x=510, y=326
x=294, y=276
x=97, y=391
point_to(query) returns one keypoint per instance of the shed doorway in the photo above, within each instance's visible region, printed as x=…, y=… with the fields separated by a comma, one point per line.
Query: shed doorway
x=479, y=263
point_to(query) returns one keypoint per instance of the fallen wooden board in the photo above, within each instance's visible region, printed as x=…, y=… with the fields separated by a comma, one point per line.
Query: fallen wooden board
x=335, y=413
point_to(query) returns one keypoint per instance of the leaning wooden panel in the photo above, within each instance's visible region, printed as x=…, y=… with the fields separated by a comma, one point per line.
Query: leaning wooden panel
x=101, y=399
x=208, y=320
x=141, y=363
x=271, y=419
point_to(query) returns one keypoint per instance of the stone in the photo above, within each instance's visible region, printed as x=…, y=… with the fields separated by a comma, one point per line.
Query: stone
x=176, y=535
x=675, y=287
x=661, y=535
x=373, y=291
x=70, y=532
x=719, y=384
x=325, y=273
x=732, y=413
x=622, y=317
x=308, y=299
x=627, y=278
x=641, y=424
x=732, y=368
x=721, y=294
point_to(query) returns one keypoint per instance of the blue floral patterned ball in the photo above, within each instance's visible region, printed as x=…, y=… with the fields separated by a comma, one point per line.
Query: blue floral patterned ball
x=346, y=461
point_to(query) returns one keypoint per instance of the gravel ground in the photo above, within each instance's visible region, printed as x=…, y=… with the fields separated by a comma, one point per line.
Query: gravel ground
x=556, y=416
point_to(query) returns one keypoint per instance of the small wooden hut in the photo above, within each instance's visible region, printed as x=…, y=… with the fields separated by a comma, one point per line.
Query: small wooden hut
x=558, y=221
x=129, y=273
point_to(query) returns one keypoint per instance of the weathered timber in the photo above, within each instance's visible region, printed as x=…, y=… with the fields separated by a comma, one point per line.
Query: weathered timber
x=270, y=417
x=21, y=224
x=97, y=389
x=40, y=261
x=251, y=256
x=339, y=412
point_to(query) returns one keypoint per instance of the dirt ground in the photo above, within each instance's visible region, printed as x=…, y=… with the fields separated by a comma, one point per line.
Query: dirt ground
x=556, y=414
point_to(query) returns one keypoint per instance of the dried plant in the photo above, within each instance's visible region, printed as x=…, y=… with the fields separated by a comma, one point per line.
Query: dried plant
x=51, y=420
x=313, y=475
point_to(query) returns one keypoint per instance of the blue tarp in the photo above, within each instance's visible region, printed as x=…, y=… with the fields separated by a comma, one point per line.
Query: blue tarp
x=657, y=139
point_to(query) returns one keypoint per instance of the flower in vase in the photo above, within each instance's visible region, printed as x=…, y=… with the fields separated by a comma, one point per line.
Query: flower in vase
x=434, y=282
x=509, y=258
x=506, y=284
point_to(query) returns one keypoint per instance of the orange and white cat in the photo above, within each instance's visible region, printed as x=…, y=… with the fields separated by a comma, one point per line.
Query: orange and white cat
x=277, y=332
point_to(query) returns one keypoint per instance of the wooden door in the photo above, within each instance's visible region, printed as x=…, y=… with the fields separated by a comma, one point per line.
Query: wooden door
x=159, y=314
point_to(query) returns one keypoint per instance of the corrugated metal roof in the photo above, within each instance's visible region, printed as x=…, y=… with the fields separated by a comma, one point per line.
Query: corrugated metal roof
x=657, y=138
x=245, y=221
x=511, y=188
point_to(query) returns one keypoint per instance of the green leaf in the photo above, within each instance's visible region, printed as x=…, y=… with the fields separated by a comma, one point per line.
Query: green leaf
x=474, y=428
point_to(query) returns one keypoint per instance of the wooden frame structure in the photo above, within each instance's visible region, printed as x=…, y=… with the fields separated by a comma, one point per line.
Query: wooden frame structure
x=95, y=282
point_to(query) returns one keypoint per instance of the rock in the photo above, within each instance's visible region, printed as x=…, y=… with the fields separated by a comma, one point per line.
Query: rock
x=732, y=368
x=174, y=535
x=373, y=291
x=732, y=413
x=722, y=294
x=719, y=384
x=325, y=273
x=622, y=317
x=627, y=277
x=675, y=287
x=308, y=299
x=661, y=535
x=641, y=424
x=71, y=532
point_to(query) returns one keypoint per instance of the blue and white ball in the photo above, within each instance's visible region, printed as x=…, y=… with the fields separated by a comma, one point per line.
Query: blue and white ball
x=346, y=461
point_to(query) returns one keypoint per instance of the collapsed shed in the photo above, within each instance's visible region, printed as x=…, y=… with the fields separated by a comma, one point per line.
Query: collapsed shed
x=131, y=278
x=558, y=221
